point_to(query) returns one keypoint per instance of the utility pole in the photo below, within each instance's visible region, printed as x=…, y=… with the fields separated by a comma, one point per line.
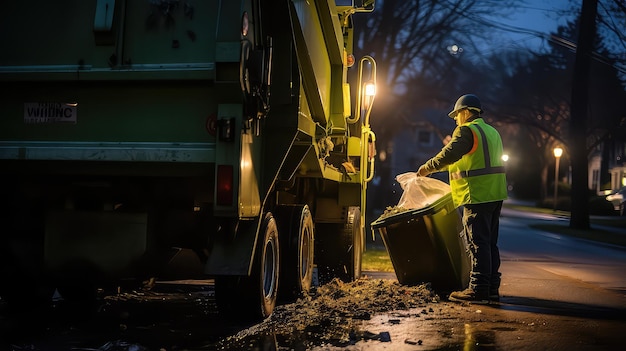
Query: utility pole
x=578, y=122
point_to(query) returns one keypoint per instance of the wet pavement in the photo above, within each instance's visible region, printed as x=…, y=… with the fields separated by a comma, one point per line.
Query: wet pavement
x=183, y=316
x=169, y=316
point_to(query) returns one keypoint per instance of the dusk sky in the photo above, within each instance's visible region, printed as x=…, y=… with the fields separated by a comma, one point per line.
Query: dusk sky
x=533, y=19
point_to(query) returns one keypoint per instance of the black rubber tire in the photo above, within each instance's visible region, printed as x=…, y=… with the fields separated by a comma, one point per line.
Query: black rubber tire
x=295, y=226
x=339, y=248
x=253, y=297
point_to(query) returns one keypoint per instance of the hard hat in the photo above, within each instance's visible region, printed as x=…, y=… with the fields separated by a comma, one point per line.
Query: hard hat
x=468, y=101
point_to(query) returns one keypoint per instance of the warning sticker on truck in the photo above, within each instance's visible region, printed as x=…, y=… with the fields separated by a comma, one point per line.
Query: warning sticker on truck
x=50, y=112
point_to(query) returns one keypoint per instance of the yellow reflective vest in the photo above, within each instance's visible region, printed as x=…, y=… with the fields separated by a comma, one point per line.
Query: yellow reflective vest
x=479, y=175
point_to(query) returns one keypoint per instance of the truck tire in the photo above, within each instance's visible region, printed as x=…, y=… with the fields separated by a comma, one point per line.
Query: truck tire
x=339, y=248
x=253, y=297
x=295, y=225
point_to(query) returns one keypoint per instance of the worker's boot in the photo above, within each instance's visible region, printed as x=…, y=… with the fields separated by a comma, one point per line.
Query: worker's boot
x=494, y=295
x=494, y=288
x=470, y=295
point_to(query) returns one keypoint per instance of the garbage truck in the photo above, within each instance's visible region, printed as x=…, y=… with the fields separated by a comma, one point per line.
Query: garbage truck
x=228, y=137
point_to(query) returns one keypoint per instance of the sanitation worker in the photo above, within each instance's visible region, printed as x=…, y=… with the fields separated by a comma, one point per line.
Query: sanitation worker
x=473, y=159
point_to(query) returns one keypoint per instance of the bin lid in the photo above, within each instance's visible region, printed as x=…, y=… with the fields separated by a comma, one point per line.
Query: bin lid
x=433, y=208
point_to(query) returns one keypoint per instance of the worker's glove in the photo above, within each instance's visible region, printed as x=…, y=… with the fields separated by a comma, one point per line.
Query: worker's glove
x=422, y=171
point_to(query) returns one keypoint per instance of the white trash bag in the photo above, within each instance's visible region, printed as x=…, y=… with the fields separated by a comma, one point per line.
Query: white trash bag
x=420, y=192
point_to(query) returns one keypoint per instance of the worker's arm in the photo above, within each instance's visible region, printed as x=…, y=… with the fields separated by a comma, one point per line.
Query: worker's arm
x=460, y=144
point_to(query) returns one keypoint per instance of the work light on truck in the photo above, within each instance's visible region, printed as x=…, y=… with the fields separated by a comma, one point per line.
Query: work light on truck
x=369, y=92
x=370, y=89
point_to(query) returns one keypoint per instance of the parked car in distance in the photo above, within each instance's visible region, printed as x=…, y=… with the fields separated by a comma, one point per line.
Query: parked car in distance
x=618, y=199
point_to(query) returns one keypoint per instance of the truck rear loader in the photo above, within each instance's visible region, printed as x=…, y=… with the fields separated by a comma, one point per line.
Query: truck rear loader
x=138, y=136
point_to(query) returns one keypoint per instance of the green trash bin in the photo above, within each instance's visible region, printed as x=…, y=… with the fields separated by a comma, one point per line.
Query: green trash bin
x=427, y=245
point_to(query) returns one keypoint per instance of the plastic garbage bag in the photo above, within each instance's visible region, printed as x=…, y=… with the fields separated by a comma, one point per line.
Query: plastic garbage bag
x=420, y=192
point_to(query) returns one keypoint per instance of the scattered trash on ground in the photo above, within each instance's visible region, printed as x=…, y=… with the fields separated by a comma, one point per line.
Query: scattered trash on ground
x=334, y=312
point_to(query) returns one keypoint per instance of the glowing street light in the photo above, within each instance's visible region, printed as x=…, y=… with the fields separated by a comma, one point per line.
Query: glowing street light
x=505, y=159
x=454, y=49
x=558, y=152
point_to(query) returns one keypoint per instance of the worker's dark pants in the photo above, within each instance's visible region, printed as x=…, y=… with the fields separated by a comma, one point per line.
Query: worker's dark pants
x=481, y=223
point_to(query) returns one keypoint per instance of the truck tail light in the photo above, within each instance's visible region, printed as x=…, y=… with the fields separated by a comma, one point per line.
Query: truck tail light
x=224, y=195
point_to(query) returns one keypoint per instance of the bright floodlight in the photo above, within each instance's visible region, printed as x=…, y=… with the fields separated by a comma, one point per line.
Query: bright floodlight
x=370, y=89
x=558, y=152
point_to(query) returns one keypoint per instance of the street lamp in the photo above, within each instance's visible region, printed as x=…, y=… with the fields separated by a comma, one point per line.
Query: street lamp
x=558, y=152
x=505, y=159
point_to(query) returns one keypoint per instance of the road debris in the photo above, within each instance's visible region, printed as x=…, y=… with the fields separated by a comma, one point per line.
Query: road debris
x=334, y=312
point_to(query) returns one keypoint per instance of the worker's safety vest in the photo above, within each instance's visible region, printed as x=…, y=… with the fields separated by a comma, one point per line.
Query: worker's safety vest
x=479, y=175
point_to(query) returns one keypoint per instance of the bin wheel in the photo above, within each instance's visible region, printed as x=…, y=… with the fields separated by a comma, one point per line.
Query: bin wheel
x=295, y=225
x=339, y=248
x=253, y=297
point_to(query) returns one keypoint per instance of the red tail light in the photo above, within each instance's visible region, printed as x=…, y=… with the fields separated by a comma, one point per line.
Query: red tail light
x=224, y=195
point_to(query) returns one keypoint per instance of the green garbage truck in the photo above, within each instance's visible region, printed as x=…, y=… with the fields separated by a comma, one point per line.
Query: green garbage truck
x=229, y=135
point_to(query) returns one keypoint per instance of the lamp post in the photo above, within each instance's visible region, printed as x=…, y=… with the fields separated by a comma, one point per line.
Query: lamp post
x=558, y=152
x=505, y=159
x=364, y=101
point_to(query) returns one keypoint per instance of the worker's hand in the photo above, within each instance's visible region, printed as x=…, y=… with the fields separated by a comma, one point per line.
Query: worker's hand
x=422, y=172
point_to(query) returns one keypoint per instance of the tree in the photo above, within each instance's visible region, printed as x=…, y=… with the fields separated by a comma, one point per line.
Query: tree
x=416, y=44
x=611, y=21
x=537, y=97
x=422, y=48
x=578, y=127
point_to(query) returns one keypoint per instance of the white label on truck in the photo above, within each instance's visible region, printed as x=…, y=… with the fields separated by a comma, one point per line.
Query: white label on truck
x=50, y=112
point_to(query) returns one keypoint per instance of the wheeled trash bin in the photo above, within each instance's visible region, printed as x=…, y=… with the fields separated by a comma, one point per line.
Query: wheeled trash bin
x=427, y=245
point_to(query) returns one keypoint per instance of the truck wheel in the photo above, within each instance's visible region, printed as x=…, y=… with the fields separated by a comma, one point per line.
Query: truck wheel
x=295, y=225
x=339, y=248
x=253, y=297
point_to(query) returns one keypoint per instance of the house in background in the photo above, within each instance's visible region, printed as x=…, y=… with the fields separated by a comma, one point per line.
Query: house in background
x=420, y=139
x=617, y=165
x=618, y=176
x=607, y=168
